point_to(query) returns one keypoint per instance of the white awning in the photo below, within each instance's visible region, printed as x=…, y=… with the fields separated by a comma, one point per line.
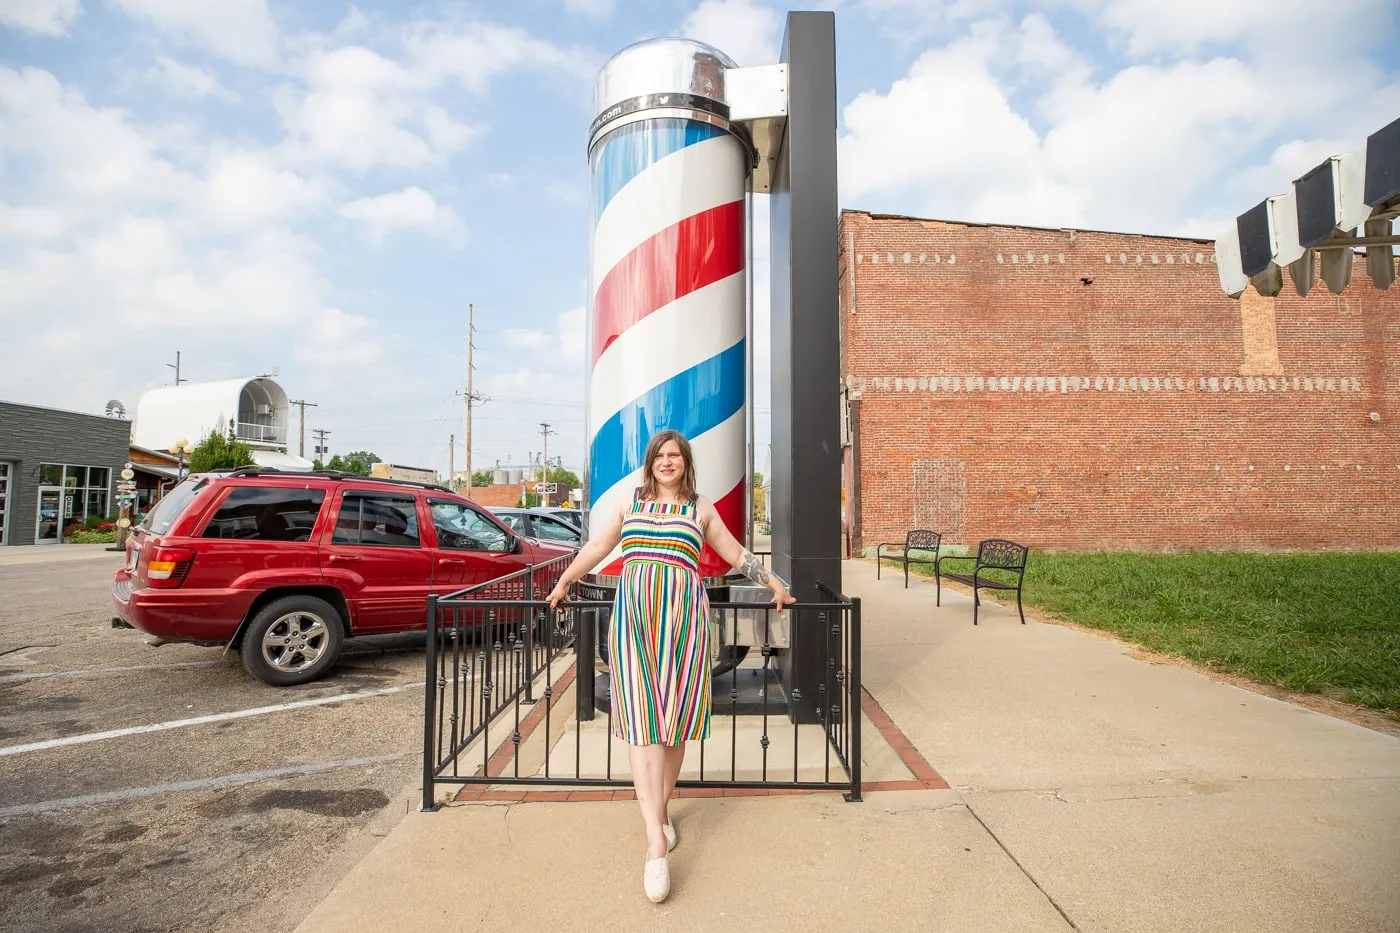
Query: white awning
x=277, y=461
x=1323, y=212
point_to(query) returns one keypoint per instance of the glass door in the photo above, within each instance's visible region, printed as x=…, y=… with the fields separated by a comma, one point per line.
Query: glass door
x=48, y=523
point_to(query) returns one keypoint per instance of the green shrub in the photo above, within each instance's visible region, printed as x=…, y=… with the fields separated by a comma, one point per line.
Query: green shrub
x=93, y=537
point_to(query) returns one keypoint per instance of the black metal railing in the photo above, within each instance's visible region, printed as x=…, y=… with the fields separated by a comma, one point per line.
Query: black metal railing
x=499, y=662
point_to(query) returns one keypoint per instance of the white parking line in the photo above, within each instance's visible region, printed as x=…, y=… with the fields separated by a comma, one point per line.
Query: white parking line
x=203, y=784
x=196, y=721
x=87, y=671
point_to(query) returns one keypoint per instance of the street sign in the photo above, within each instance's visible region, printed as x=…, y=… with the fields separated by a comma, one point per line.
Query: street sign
x=123, y=522
x=548, y=488
x=128, y=473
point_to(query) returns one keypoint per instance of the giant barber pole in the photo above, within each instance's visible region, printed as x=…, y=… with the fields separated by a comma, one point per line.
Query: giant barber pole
x=681, y=141
x=667, y=343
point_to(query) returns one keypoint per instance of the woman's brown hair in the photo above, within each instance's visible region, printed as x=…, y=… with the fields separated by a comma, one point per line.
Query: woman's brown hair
x=686, y=493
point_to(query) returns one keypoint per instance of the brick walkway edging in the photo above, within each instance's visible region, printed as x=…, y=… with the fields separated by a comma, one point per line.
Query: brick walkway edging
x=925, y=777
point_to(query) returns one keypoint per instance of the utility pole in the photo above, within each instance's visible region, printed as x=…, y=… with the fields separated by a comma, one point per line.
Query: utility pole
x=301, y=444
x=472, y=397
x=176, y=367
x=321, y=447
x=451, y=455
x=544, y=459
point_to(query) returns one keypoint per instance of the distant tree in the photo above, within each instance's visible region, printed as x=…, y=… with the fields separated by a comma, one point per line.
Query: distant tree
x=359, y=461
x=337, y=463
x=566, y=479
x=481, y=478
x=220, y=451
x=317, y=465
x=760, y=497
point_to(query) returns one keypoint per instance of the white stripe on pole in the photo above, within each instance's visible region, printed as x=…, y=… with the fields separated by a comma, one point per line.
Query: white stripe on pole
x=662, y=344
x=686, y=182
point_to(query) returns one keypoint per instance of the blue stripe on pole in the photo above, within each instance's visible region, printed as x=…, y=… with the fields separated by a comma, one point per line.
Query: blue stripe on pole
x=628, y=152
x=701, y=398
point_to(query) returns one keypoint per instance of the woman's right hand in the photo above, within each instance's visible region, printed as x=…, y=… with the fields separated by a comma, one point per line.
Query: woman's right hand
x=558, y=595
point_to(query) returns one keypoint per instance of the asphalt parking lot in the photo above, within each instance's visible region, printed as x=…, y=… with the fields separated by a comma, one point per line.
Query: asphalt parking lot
x=154, y=789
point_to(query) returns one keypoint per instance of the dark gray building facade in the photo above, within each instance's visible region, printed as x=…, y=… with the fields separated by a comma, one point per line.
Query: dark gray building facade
x=57, y=468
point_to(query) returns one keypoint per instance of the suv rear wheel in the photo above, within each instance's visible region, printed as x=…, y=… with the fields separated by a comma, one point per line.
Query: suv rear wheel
x=293, y=640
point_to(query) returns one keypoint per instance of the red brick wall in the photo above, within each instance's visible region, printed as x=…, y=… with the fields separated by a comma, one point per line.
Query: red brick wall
x=493, y=497
x=1002, y=396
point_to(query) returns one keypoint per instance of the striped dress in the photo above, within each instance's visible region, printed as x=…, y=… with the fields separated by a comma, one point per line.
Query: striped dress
x=660, y=634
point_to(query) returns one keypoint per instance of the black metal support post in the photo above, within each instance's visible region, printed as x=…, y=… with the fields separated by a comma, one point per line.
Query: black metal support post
x=430, y=709
x=806, y=379
x=854, y=701
x=586, y=649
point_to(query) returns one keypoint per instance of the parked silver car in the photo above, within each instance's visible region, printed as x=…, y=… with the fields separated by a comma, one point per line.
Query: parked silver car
x=540, y=525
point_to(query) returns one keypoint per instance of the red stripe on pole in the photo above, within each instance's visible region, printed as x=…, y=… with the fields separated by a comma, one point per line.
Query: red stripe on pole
x=731, y=511
x=683, y=258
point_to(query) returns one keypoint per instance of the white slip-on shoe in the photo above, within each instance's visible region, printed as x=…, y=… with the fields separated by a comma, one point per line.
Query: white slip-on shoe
x=671, y=840
x=657, y=879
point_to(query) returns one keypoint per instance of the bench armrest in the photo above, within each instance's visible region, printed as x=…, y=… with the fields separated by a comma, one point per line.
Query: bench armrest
x=954, y=557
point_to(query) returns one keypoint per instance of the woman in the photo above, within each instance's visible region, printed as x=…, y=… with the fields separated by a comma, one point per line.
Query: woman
x=660, y=635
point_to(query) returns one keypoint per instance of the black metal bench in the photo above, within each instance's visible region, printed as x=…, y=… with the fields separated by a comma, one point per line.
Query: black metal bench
x=992, y=554
x=918, y=540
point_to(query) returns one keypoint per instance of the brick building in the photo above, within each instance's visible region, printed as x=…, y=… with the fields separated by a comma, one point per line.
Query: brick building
x=1085, y=390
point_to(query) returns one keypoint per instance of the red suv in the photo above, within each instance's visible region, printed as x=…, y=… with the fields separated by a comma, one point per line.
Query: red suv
x=286, y=566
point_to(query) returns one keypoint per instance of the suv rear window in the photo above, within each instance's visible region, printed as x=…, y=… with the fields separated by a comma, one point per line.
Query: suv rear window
x=384, y=521
x=159, y=520
x=267, y=513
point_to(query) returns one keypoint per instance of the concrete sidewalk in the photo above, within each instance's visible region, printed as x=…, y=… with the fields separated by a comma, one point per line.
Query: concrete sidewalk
x=57, y=553
x=1090, y=790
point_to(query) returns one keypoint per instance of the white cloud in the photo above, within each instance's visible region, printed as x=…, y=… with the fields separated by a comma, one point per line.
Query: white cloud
x=45, y=17
x=598, y=9
x=474, y=55
x=362, y=110
x=31, y=223
x=744, y=30
x=1008, y=124
x=90, y=157
x=566, y=339
x=1185, y=26
x=241, y=31
x=409, y=209
x=243, y=189
x=188, y=81
x=115, y=239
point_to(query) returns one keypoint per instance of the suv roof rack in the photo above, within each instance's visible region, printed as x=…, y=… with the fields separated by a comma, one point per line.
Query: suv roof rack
x=335, y=474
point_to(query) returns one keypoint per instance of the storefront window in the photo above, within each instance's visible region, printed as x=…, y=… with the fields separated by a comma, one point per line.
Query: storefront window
x=86, y=489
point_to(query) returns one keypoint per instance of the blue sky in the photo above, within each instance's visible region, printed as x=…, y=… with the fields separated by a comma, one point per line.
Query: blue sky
x=321, y=188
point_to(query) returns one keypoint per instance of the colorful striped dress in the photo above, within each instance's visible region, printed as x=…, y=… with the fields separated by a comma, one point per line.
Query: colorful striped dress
x=660, y=633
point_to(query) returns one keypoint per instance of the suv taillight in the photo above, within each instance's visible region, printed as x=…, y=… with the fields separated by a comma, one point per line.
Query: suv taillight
x=169, y=566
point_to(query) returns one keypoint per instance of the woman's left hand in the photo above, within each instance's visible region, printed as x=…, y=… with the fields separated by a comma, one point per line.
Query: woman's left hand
x=781, y=596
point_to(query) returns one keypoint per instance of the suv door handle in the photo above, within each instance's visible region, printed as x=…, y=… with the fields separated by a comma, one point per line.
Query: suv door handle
x=344, y=559
x=451, y=562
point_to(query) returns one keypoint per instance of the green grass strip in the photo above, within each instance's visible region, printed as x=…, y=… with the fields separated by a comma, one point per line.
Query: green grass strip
x=1315, y=623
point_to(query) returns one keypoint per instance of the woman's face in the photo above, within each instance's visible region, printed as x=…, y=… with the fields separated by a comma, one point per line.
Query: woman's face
x=669, y=465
